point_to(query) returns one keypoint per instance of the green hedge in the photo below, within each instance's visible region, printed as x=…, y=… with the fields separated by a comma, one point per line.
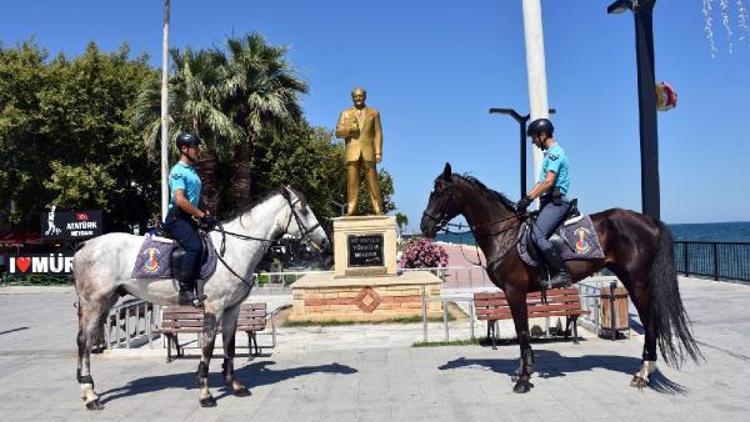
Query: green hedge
x=37, y=279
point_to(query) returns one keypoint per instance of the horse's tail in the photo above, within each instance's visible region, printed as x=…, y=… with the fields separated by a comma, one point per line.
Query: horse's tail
x=669, y=316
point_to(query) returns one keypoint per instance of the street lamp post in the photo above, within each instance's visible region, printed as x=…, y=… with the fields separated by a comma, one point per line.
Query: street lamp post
x=522, y=121
x=644, y=44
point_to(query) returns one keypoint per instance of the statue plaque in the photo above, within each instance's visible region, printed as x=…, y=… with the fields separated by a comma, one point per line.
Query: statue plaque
x=365, y=251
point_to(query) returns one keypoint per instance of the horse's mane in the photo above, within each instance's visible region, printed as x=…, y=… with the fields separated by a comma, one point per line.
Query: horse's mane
x=273, y=192
x=489, y=193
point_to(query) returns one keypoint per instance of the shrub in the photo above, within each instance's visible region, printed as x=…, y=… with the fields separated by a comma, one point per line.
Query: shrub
x=423, y=253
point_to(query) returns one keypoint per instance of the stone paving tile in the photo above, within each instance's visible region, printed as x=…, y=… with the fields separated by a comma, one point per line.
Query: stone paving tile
x=369, y=373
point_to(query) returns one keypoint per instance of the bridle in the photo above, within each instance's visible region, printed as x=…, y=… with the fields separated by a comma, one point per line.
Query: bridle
x=304, y=236
x=443, y=222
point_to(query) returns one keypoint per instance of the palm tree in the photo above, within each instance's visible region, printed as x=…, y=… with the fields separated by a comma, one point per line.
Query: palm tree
x=261, y=93
x=195, y=106
x=401, y=221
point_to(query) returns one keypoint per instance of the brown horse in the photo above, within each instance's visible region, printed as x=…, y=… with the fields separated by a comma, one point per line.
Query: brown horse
x=637, y=248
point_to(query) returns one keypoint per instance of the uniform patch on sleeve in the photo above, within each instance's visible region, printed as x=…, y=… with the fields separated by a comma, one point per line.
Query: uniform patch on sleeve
x=553, y=157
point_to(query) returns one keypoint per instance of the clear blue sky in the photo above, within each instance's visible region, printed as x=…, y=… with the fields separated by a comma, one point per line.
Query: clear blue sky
x=434, y=68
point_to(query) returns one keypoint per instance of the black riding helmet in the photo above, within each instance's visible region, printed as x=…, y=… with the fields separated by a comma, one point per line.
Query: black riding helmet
x=540, y=125
x=188, y=139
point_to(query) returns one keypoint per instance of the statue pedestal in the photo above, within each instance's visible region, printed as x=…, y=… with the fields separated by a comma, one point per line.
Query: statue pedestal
x=364, y=285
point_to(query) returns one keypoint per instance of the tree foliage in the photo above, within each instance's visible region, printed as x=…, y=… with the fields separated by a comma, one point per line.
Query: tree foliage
x=65, y=135
x=83, y=132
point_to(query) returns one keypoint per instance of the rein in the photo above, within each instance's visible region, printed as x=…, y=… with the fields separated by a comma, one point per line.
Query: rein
x=293, y=214
x=443, y=223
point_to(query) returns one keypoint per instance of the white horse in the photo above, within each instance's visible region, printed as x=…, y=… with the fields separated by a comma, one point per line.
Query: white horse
x=102, y=269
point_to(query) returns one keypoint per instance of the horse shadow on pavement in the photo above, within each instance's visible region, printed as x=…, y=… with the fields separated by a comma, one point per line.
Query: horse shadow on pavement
x=550, y=364
x=254, y=375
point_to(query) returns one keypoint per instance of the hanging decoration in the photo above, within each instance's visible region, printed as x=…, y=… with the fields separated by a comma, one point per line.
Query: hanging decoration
x=724, y=8
x=666, y=96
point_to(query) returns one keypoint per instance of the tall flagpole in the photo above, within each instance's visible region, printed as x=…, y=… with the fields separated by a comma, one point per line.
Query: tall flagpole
x=165, y=113
x=535, y=68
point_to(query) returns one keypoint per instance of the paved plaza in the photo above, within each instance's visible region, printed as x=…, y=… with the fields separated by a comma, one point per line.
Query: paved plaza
x=371, y=373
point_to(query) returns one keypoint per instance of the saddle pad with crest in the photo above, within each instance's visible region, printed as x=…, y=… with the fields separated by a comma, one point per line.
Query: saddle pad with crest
x=155, y=259
x=580, y=241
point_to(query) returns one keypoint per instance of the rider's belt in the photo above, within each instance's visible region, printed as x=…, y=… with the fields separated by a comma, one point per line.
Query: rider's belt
x=177, y=214
x=555, y=197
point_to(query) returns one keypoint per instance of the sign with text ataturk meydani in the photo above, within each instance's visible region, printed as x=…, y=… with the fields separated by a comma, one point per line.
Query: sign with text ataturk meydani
x=77, y=225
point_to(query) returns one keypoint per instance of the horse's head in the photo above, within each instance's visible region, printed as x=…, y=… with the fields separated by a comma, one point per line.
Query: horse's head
x=302, y=222
x=441, y=208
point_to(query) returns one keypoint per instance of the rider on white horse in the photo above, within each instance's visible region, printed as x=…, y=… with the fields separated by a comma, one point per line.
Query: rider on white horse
x=180, y=223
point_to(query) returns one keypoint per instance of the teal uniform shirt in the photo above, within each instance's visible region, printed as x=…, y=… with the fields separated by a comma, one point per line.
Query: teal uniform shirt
x=555, y=160
x=185, y=177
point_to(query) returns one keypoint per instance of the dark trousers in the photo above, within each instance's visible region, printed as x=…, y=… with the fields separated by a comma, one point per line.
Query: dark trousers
x=183, y=230
x=549, y=217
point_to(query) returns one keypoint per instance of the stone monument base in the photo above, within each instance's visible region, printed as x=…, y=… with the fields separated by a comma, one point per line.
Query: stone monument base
x=324, y=297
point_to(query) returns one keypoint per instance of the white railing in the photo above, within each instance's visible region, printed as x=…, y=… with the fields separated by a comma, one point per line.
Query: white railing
x=131, y=324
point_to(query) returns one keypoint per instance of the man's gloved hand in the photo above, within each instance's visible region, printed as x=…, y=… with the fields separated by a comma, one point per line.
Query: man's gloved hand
x=209, y=222
x=523, y=204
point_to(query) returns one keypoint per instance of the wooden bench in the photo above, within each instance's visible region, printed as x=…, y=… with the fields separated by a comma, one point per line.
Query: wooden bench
x=189, y=320
x=492, y=307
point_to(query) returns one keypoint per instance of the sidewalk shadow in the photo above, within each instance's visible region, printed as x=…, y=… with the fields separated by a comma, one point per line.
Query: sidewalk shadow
x=550, y=364
x=253, y=375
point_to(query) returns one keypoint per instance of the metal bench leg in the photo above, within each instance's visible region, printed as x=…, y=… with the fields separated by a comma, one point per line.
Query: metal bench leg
x=249, y=345
x=567, y=327
x=575, y=330
x=494, y=334
x=169, y=347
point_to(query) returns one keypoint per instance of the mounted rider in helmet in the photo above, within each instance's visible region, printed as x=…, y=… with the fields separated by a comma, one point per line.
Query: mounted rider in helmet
x=551, y=191
x=181, y=222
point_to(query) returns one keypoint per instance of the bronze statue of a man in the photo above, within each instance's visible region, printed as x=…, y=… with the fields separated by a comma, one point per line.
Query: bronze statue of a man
x=360, y=127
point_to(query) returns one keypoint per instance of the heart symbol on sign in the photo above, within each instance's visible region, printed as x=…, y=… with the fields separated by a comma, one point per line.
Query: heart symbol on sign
x=23, y=264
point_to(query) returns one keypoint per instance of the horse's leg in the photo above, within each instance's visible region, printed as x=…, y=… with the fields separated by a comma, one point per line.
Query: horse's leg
x=637, y=284
x=517, y=302
x=640, y=295
x=210, y=328
x=229, y=327
x=91, y=310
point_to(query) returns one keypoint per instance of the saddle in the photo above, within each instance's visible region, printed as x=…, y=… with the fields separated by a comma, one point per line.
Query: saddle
x=160, y=256
x=574, y=238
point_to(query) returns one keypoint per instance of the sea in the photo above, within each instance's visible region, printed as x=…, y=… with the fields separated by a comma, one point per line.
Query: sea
x=710, y=232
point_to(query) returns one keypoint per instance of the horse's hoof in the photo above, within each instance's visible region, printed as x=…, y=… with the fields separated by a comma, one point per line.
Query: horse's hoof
x=94, y=405
x=522, y=386
x=208, y=402
x=638, y=382
x=242, y=392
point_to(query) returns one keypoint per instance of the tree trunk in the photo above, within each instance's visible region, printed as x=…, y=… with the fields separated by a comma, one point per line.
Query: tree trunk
x=209, y=184
x=241, y=177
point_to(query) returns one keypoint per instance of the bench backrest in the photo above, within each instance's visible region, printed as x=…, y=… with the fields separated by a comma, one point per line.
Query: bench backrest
x=190, y=319
x=561, y=302
x=252, y=317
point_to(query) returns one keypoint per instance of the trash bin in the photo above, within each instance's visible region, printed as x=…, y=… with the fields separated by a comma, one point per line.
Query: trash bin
x=614, y=315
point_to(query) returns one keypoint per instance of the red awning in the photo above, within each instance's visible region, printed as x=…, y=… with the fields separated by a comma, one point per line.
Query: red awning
x=18, y=238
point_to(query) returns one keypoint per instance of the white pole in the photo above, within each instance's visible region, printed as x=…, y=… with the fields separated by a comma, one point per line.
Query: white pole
x=165, y=113
x=535, y=68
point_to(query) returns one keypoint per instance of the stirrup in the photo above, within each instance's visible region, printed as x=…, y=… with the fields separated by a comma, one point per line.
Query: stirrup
x=561, y=279
x=186, y=298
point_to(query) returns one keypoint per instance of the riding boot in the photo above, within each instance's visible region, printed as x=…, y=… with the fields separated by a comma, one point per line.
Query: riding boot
x=186, y=280
x=556, y=266
x=186, y=297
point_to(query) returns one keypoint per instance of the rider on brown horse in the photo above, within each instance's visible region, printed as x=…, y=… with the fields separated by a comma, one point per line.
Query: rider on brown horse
x=551, y=190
